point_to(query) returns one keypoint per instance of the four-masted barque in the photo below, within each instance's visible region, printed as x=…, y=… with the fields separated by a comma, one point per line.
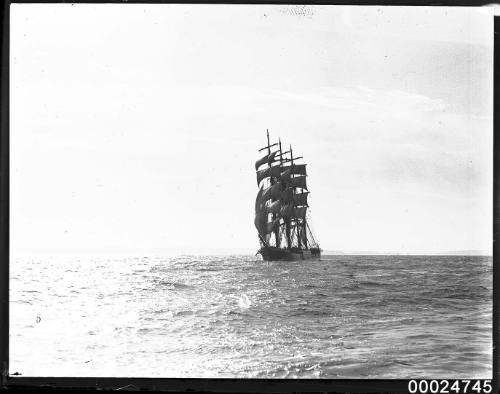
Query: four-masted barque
x=281, y=206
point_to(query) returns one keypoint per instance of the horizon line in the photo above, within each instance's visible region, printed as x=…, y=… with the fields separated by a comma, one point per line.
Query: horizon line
x=243, y=251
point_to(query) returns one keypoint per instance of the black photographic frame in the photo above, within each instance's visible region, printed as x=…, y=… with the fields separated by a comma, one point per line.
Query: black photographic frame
x=213, y=385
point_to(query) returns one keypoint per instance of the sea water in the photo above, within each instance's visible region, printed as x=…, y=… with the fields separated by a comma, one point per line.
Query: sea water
x=238, y=316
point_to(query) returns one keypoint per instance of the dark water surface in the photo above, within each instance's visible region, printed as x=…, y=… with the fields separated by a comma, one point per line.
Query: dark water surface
x=237, y=316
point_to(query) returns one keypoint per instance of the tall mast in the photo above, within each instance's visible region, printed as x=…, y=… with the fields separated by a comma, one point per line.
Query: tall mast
x=268, y=144
x=287, y=221
x=293, y=199
x=273, y=216
x=305, y=226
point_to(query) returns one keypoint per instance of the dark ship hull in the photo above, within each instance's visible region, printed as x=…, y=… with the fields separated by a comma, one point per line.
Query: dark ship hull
x=271, y=253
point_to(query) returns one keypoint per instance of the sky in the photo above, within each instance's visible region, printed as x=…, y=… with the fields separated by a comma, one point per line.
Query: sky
x=135, y=128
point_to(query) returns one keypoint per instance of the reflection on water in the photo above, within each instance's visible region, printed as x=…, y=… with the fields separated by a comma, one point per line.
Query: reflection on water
x=236, y=316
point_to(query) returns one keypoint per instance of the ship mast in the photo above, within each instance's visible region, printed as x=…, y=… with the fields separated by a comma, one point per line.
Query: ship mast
x=286, y=221
x=268, y=144
x=272, y=181
x=293, y=199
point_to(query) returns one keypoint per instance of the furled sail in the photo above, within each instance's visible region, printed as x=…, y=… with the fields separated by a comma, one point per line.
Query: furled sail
x=271, y=171
x=299, y=181
x=300, y=198
x=265, y=159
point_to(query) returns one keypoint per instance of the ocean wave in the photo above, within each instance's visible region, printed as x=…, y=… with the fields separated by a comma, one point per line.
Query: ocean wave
x=172, y=285
x=351, y=316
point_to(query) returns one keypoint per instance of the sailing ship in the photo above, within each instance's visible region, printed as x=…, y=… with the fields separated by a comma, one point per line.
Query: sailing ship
x=281, y=209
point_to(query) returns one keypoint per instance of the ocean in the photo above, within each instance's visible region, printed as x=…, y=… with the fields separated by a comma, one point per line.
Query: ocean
x=240, y=317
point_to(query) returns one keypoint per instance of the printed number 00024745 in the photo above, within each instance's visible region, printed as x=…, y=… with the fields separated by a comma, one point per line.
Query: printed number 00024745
x=446, y=386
